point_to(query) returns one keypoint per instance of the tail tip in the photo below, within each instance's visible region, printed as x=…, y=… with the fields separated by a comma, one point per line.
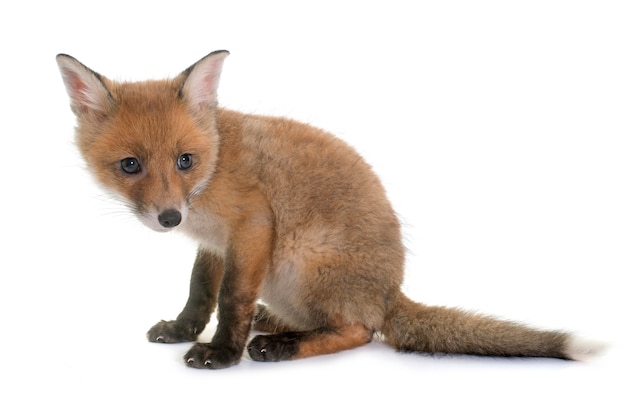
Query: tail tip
x=582, y=349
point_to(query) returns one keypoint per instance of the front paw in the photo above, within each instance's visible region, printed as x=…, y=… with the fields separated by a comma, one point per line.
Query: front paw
x=207, y=356
x=169, y=332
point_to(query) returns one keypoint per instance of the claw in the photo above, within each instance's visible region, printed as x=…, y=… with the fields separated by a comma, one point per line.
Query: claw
x=190, y=361
x=159, y=338
x=207, y=362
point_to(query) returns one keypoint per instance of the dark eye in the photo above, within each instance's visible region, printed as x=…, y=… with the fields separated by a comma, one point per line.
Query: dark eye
x=130, y=165
x=184, y=161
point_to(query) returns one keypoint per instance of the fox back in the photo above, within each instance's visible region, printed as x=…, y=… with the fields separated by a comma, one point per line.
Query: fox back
x=283, y=212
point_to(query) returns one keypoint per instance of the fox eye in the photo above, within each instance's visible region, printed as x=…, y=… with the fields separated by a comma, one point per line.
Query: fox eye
x=184, y=161
x=130, y=165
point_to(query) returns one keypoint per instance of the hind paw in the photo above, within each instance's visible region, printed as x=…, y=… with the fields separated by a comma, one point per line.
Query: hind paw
x=273, y=348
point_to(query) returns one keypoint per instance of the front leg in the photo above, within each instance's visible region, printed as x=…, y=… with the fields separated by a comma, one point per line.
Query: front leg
x=245, y=270
x=206, y=277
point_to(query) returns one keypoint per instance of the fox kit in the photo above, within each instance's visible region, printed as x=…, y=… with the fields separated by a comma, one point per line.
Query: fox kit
x=284, y=213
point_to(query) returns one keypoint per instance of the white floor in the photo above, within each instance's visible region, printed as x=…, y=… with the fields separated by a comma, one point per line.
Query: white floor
x=499, y=132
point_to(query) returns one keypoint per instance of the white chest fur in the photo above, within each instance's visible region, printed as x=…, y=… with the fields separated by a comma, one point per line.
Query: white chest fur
x=207, y=229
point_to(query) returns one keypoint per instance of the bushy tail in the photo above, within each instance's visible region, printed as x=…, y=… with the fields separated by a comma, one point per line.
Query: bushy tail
x=411, y=326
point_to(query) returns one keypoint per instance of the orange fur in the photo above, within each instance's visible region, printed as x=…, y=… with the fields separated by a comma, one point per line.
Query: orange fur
x=288, y=213
x=338, y=339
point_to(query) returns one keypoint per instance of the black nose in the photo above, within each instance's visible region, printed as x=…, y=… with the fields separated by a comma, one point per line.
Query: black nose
x=170, y=218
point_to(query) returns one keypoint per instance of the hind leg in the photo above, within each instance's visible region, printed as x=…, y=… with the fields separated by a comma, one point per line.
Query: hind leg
x=303, y=344
x=265, y=321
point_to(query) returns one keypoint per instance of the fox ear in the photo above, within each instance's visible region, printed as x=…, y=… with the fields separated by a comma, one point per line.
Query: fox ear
x=88, y=94
x=199, y=88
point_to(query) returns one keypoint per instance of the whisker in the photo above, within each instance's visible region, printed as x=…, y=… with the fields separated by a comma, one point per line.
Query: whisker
x=117, y=207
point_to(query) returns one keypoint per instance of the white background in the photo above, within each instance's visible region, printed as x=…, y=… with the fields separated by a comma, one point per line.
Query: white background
x=498, y=128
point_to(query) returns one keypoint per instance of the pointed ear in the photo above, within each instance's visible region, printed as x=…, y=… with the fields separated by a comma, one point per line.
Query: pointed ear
x=88, y=94
x=200, y=81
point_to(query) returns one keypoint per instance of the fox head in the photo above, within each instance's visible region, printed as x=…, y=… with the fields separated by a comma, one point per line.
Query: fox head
x=152, y=143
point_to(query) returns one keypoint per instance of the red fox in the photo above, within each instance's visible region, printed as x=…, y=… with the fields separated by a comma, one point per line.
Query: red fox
x=297, y=238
